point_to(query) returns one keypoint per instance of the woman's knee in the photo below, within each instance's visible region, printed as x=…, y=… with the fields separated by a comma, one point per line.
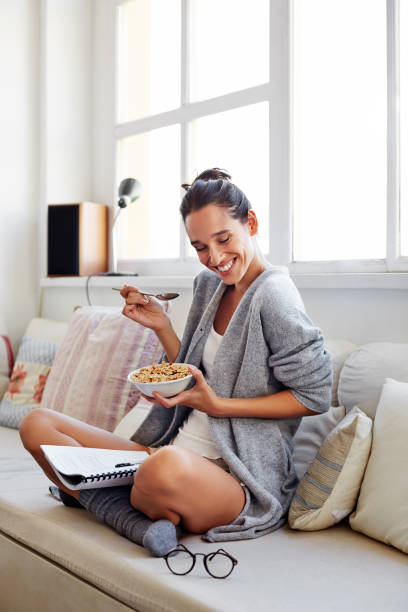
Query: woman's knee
x=30, y=427
x=166, y=470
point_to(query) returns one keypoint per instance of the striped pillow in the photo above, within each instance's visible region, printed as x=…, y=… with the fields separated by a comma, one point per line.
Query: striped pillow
x=88, y=380
x=328, y=491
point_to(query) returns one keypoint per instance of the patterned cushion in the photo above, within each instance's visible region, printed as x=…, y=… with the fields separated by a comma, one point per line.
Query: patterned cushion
x=28, y=378
x=88, y=380
x=329, y=489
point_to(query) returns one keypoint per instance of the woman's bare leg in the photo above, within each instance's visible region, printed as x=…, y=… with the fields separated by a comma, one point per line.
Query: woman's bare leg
x=44, y=426
x=179, y=485
x=173, y=483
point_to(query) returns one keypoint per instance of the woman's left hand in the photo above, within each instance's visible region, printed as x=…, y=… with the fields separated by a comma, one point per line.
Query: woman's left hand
x=201, y=396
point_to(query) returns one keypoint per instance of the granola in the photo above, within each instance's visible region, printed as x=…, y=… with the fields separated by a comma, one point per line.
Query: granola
x=163, y=372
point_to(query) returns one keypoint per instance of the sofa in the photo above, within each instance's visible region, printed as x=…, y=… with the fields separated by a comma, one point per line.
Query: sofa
x=54, y=557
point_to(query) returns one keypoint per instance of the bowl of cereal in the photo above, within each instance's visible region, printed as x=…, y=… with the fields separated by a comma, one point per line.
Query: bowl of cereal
x=168, y=379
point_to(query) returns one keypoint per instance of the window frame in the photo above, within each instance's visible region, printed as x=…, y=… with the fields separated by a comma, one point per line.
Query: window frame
x=278, y=92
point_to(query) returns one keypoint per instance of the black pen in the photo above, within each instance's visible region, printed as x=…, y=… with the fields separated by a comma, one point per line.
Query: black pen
x=125, y=464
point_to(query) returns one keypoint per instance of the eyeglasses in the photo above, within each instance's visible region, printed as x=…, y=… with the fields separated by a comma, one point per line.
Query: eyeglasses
x=181, y=561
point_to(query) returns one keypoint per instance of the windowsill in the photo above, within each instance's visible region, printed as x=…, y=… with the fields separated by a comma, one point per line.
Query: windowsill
x=352, y=280
x=146, y=282
x=338, y=280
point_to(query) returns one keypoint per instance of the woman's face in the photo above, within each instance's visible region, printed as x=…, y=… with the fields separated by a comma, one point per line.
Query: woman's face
x=223, y=244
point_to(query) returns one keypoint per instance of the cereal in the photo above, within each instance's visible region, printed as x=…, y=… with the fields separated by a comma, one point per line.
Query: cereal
x=162, y=372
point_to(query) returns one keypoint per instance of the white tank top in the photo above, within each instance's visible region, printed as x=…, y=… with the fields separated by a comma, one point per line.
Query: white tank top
x=195, y=432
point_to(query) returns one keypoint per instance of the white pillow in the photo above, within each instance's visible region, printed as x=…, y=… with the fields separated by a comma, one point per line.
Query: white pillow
x=382, y=507
x=365, y=370
x=311, y=434
x=329, y=489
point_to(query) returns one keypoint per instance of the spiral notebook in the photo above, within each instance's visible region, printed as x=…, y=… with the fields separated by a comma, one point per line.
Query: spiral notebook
x=79, y=467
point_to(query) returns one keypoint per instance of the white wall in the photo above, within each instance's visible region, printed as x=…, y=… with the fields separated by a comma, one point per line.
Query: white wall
x=358, y=315
x=59, y=303
x=46, y=138
x=19, y=163
x=69, y=100
x=66, y=106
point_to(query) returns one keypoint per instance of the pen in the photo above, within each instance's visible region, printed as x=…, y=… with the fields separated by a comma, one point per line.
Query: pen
x=125, y=464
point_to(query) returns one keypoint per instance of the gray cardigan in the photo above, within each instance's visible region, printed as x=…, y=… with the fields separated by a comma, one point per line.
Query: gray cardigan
x=270, y=345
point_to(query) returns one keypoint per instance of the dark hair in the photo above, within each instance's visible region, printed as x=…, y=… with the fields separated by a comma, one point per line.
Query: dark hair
x=213, y=186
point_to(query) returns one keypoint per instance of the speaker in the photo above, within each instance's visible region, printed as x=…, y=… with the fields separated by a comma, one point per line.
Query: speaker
x=77, y=239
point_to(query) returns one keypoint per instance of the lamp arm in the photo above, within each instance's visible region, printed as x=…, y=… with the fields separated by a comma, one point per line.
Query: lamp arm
x=114, y=242
x=115, y=218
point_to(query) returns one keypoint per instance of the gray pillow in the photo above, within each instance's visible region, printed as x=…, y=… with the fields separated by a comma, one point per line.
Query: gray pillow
x=311, y=434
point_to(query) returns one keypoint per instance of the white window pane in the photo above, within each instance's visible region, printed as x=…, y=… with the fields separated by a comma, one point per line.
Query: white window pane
x=229, y=46
x=151, y=228
x=339, y=123
x=149, y=57
x=404, y=124
x=238, y=142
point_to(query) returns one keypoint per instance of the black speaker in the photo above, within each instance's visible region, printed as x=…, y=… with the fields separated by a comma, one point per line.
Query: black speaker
x=77, y=239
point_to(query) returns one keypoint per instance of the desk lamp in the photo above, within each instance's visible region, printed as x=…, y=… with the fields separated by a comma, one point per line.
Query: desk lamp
x=129, y=191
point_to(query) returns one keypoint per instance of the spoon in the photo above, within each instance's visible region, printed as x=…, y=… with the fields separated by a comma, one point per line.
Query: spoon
x=159, y=296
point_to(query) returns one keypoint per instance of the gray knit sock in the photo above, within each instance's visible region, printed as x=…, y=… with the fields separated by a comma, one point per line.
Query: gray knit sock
x=65, y=498
x=112, y=506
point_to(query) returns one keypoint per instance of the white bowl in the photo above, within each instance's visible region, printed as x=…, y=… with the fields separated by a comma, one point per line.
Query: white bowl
x=167, y=388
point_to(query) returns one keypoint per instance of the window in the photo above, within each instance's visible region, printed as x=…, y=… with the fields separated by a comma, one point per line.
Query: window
x=193, y=92
x=304, y=102
x=345, y=163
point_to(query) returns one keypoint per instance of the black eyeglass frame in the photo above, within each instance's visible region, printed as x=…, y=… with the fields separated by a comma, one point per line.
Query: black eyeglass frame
x=209, y=556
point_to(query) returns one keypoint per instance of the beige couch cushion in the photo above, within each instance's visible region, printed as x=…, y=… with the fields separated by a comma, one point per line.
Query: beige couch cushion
x=269, y=567
x=365, y=370
x=382, y=509
x=339, y=351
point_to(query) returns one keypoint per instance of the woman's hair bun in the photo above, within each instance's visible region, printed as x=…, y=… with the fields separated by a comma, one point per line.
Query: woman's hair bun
x=212, y=174
x=213, y=186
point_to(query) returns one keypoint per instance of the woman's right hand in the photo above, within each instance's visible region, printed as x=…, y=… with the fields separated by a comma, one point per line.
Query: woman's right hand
x=143, y=309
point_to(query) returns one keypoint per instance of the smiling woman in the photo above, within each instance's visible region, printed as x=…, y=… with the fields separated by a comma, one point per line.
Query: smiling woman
x=253, y=353
x=220, y=451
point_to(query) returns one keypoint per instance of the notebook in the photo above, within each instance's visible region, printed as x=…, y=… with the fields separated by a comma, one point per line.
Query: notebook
x=78, y=467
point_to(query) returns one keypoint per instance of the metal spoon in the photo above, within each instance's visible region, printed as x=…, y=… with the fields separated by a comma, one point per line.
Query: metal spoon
x=159, y=296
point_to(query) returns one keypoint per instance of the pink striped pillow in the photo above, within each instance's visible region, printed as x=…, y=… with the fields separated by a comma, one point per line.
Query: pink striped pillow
x=88, y=379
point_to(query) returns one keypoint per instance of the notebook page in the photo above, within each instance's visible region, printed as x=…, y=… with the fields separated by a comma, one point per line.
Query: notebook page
x=72, y=460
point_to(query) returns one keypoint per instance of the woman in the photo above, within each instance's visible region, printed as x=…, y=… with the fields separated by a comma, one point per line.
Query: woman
x=220, y=459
